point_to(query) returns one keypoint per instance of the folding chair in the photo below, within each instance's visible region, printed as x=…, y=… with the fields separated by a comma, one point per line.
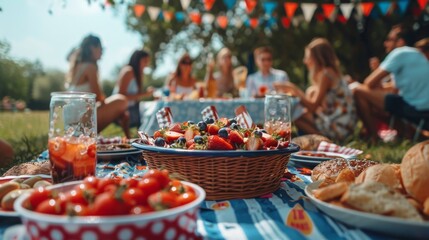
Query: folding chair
x=422, y=123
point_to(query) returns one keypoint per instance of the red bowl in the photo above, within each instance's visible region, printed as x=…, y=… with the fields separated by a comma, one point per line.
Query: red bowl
x=175, y=223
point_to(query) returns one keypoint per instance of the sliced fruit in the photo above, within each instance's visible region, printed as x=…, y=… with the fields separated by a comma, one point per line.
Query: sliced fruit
x=217, y=143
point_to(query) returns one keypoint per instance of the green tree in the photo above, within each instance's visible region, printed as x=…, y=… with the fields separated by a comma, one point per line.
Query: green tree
x=51, y=81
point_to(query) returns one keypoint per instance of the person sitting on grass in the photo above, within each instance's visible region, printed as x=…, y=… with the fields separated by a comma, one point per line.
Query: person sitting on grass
x=410, y=68
x=83, y=77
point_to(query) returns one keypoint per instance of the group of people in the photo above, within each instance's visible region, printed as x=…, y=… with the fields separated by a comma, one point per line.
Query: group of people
x=397, y=86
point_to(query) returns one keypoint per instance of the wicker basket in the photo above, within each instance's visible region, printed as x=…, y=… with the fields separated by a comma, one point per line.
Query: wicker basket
x=223, y=174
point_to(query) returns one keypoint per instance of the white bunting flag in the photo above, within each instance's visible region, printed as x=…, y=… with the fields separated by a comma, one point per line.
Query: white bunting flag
x=208, y=18
x=308, y=10
x=185, y=4
x=153, y=12
x=238, y=22
x=346, y=9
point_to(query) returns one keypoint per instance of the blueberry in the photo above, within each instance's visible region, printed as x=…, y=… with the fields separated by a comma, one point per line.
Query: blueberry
x=258, y=133
x=231, y=121
x=202, y=126
x=234, y=126
x=223, y=133
x=160, y=142
x=209, y=120
x=181, y=140
x=198, y=139
x=263, y=130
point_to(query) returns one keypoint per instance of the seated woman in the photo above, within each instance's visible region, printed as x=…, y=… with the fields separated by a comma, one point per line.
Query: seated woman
x=83, y=77
x=329, y=102
x=130, y=84
x=224, y=78
x=181, y=83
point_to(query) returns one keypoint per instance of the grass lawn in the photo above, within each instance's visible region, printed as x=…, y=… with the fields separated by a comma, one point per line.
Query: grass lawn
x=28, y=134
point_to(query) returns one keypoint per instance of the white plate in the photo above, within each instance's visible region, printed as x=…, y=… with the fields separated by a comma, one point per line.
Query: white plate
x=387, y=225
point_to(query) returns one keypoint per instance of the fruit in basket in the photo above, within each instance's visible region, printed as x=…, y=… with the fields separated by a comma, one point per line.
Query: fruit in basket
x=221, y=134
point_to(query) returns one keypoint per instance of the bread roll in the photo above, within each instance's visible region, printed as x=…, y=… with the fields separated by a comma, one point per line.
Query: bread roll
x=378, y=198
x=384, y=173
x=309, y=142
x=415, y=171
x=331, y=168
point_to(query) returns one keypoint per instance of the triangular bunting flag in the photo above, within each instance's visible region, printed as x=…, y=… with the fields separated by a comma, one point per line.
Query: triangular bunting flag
x=168, y=15
x=341, y=19
x=139, y=10
x=285, y=22
x=222, y=21
x=366, y=8
x=253, y=22
x=384, y=7
x=346, y=9
x=250, y=5
x=153, y=12
x=269, y=7
x=185, y=4
x=180, y=16
x=208, y=4
x=328, y=10
x=238, y=22
x=271, y=22
x=229, y=3
x=195, y=17
x=422, y=3
x=402, y=5
x=308, y=10
x=208, y=18
x=290, y=8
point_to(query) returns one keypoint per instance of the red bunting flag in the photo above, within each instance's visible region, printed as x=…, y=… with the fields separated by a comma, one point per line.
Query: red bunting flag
x=195, y=17
x=250, y=5
x=285, y=22
x=168, y=15
x=328, y=10
x=290, y=8
x=139, y=9
x=222, y=21
x=367, y=8
x=254, y=22
x=422, y=3
x=208, y=4
x=341, y=18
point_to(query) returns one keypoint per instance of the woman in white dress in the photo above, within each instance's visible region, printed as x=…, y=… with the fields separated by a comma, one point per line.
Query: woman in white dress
x=181, y=82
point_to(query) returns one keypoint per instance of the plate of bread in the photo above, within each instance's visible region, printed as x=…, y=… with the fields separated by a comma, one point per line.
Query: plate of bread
x=392, y=199
x=310, y=159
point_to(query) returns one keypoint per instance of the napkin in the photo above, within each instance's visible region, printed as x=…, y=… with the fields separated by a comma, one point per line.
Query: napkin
x=331, y=147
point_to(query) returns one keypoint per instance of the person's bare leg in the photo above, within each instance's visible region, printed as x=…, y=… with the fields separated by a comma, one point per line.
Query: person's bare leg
x=125, y=124
x=367, y=99
x=114, y=107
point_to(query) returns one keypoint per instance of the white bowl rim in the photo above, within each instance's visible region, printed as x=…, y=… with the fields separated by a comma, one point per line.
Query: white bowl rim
x=92, y=220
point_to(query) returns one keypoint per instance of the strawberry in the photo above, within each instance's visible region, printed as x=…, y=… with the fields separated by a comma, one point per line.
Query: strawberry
x=177, y=127
x=189, y=143
x=265, y=136
x=171, y=136
x=217, y=143
x=283, y=144
x=271, y=143
x=213, y=129
x=285, y=134
x=254, y=143
x=235, y=137
x=190, y=133
x=158, y=133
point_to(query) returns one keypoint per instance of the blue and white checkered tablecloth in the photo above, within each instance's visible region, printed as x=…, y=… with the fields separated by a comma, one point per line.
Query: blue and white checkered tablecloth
x=191, y=110
x=285, y=214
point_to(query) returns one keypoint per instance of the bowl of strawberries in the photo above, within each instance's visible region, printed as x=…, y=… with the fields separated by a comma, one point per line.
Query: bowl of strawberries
x=227, y=160
x=152, y=207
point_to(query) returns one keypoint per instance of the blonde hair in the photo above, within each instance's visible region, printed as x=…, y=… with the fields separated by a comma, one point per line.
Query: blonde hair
x=323, y=55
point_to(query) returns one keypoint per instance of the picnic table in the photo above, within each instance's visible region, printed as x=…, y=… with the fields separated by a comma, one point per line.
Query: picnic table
x=191, y=110
x=284, y=214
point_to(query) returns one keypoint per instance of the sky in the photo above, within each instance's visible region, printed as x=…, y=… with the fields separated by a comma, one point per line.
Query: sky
x=33, y=33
